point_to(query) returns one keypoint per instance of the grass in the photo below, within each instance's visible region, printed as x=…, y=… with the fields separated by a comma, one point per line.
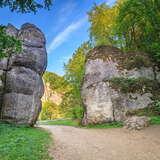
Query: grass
x=76, y=123
x=64, y=122
x=106, y=125
x=23, y=143
x=155, y=120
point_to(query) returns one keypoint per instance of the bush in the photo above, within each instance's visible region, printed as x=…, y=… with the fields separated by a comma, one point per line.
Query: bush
x=78, y=112
x=50, y=111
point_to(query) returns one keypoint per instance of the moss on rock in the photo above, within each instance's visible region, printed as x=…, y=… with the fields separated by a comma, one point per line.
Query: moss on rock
x=128, y=60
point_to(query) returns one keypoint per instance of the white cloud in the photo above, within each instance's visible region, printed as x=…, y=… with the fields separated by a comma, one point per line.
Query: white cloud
x=110, y=2
x=62, y=36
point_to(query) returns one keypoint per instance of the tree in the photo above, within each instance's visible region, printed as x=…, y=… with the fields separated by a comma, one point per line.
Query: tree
x=74, y=72
x=138, y=26
x=56, y=82
x=50, y=111
x=25, y=6
x=102, y=19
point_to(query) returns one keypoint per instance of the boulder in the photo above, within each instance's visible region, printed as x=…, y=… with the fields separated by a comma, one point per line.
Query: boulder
x=105, y=101
x=136, y=123
x=22, y=77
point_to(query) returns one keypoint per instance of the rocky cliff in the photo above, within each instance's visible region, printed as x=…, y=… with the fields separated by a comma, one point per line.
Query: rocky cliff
x=117, y=82
x=51, y=95
x=21, y=77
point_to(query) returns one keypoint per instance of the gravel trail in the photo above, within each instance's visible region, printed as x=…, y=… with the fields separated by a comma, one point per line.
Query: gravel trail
x=72, y=143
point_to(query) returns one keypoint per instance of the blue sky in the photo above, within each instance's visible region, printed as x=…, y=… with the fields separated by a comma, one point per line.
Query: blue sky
x=65, y=27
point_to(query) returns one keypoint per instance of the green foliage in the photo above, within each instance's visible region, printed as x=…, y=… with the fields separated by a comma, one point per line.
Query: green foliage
x=138, y=24
x=22, y=143
x=64, y=122
x=74, y=71
x=132, y=85
x=155, y=120
x=102, y=19
x=56, y=82
x=50, y=111
x=78, y=112
x=8, y=44
x=132, y=25
x=25, y=6
x=59, y=85
x=76, y=123
x=106, y=125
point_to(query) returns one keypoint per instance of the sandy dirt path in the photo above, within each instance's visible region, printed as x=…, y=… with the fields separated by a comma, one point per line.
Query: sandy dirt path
x=72, y=143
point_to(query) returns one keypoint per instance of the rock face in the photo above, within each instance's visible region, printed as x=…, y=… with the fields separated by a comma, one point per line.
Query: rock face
x=21, y=77
x=50, y=95
x=106, y=102
x=136, y=123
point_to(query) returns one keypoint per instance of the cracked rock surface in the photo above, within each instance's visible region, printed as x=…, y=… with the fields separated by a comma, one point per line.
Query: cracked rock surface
x=21, y=86
x=102, y=102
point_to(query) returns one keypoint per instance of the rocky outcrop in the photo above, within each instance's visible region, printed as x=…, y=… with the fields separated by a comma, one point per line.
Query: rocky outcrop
x=136, y=123
x=21, y=82
x=115, y=83
x=51, y=95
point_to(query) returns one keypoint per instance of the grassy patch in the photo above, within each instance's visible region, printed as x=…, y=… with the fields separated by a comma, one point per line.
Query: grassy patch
x=64, y=122
x=106, y=125
x=76, y=123
x=155, y=120
x=23, y=143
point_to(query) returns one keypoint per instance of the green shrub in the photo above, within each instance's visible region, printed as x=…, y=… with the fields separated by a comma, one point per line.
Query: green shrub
x=50, y=111
x=78, y=112
x=155, y=120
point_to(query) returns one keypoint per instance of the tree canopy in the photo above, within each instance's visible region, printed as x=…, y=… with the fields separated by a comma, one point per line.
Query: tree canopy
x=128, y=24
x=25, y=6
x=74, y=72
x=138, y=25
x=56, y=82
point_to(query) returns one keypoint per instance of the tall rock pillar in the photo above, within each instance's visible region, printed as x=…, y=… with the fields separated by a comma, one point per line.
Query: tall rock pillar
x=22, y=77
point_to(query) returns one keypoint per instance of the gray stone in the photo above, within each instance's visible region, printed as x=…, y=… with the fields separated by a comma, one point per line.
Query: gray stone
x=11, y=30
x=99, y=104
x=22, y=77
x=102, y=102
x=136, y=123
x=24, y=80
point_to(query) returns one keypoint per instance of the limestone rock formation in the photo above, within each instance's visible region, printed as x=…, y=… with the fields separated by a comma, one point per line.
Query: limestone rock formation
x=136, y=123
x=108, y=73
x=51, y=95
x=22, y=85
